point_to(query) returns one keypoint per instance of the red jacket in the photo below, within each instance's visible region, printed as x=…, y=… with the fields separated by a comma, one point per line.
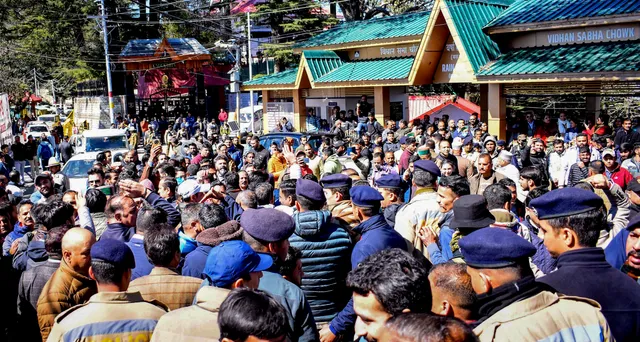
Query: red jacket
x=223, y=116
x=621, y=176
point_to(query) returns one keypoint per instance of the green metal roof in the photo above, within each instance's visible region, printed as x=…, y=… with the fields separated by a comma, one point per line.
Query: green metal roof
x=378, y=28
x=608, y=57
x=533, y=11
x=468, y=18
x=321, y=62
x=281, y=78
x=370, y=70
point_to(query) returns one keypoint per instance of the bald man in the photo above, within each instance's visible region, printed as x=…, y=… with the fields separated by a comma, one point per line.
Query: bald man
x=121, y=212
x=70, y=285
x=451, y=291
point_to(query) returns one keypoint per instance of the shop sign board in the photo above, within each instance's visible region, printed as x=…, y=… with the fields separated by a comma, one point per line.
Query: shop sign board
x=387, y=51
x=277, y=111
x=583, y=35
x=452, y=68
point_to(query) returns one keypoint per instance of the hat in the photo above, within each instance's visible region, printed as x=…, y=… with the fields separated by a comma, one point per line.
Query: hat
x=42, y=175
x=505, y=155
x=337, y=180
x=634, y=223
x=494, y=248
x=365, y=196
x=267, y=224
x=311, y=190
x=114, y=252
x=608, y=152
x=390, y=181
x=213, y=236
x=53, y=162
x=231, y=260
x=338, y=143
x=565, y=202
x=467, y=140
x=188, y=188
x=301, y=152
x=476, y=145
x=457, y=143
x=427, y=165
x=402, y=140
x=470, y=211
x=634, y=186
x=423, y=151
x=501, y=143
x=487, y=139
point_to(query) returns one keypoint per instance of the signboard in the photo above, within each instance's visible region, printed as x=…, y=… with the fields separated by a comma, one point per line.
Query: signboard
x=452, y=67
x=277, y=111
x=583, y=35
x=387, y=51
x=6, y=131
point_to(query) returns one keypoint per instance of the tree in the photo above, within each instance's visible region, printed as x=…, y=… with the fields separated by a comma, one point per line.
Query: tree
x=367, y=9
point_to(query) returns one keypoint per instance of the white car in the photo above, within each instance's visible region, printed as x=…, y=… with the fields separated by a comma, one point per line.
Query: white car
x=95, y=140
x=78, y=166
x=244, y=121
x=49, y=119
x=36, y=130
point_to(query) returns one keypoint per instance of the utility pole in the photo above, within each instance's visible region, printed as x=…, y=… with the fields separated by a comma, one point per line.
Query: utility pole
x=249, y=61
x=105, y=36
x=53, y=92
x=35, y=82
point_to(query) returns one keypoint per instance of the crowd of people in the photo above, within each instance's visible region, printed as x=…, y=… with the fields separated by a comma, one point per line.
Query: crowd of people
x=429, y=230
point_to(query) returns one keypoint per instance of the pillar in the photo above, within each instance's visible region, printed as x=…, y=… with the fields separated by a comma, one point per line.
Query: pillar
x=299, y=111
x=594, y=105
x=265, y=100
x=484, y=107
x=382, y=104
x=496, y=111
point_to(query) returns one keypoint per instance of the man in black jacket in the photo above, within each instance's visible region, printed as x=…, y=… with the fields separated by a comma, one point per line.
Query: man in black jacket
x=626, y=135
x=571, y=219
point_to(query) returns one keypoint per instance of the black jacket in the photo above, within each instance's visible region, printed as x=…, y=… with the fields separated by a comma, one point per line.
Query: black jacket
x=586, y=273
x=626, y=137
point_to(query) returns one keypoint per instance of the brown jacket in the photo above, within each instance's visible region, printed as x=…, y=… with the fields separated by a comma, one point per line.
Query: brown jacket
x=66, y=289
x=186, y=324
x=546, y=316
x=343, y=214
x=474, y=181
x=168, y=287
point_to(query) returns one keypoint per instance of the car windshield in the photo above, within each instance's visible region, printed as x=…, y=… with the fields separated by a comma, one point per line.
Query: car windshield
x=38, y=129
x=45, y=118
x=246, y=117
x=77, y=168
x=106, y=143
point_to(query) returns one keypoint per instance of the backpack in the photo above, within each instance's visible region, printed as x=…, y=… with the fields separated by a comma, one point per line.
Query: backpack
x=45, y=153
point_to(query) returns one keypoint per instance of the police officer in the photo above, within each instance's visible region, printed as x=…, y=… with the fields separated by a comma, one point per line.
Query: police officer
x=391, y=187
x=106, y=313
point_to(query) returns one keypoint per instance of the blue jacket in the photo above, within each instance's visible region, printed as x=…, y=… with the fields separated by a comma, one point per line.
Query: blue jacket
x=585, y=273
x=377, y=235
x=194, y=262
x=441, y=254
x=616, y=251
x=17, y=232
x=143, y=265
x=291, y=297
x=118, y=231
x=173, y=215
x=326, y=249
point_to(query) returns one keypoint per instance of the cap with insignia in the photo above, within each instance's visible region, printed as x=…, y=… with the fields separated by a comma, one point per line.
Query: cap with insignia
x=494, y=248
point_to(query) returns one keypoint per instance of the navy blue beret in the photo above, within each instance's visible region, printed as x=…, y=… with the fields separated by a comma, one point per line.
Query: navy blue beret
x=337, y=180
x=565, y=202
x=502, y=143
x=365, y=196
x=114, y=252
x=427, y=165
x=467, y=140
x=391, y=180
x=403, y=140
x=310, y=189
x=494, y=248
x=267, y=224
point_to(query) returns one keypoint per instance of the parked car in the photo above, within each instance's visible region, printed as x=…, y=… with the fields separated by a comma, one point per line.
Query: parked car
x=49, y=119
x=36, y=130
x=244, y=121
x=114, y=140
x=315, y=139
x=78, y=166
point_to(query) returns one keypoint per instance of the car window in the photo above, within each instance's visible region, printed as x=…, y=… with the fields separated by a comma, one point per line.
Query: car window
x=106, y=143
x=38, y=129
x=77, y=168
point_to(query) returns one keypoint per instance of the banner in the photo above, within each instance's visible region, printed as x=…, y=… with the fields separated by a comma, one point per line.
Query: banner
x=6, y=130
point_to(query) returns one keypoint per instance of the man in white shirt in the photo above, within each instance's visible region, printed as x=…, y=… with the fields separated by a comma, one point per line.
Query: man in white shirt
x=558, y=164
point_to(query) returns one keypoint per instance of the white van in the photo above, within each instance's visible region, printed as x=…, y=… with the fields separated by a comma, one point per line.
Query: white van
x=95, y=140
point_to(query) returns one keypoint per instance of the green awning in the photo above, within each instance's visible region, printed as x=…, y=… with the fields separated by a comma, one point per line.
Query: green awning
x=373, y=29
x=609, y=57
x=370, y=70
x=287, y=77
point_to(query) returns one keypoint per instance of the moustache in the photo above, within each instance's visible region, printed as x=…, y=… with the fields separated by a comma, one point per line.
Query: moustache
x=634, y=253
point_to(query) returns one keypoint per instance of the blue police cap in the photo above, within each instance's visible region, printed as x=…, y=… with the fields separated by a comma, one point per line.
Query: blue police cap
x=392, y=181
x=565, y=202
x=501, y=143
x=494, y=248
x=402, y=140
x=267, y=224
x=337, y=180
x=231, y=260
x=114, y=252
x=467, y=140
x=310, y=189
x=427, y=165
x=365, y=196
